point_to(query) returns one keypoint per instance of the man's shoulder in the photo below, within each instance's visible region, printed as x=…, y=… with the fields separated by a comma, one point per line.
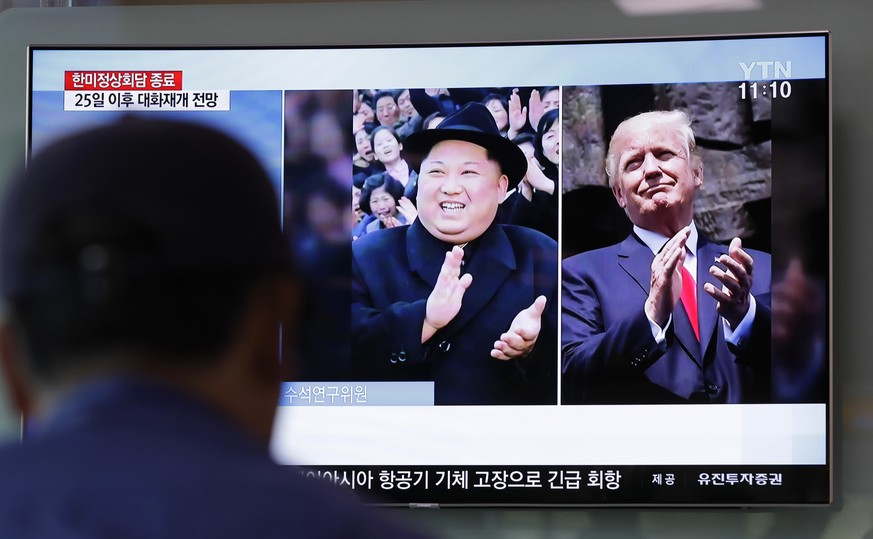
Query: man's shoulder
x=113, y=489
x=313, y=506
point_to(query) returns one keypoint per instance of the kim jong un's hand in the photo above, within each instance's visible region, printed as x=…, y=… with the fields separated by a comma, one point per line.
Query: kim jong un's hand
x=523, y=332
x=444, y=301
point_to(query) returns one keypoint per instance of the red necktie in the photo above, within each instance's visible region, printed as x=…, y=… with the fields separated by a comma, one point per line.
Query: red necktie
x=689, y=299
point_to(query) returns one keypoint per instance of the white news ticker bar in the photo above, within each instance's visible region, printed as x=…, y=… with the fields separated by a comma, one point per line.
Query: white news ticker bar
x=557, y=64
x=553, y=435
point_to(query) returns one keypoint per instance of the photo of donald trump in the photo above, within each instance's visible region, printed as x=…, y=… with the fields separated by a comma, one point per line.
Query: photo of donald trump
x=665, y=316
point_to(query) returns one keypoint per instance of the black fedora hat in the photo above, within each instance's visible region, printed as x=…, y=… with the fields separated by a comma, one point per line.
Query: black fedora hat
x=472, y=123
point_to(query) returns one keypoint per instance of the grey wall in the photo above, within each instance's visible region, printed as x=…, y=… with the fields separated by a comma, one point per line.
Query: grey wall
x=456, y=20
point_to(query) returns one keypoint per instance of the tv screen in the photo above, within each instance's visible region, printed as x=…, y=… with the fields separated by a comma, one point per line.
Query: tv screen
x=552, y=274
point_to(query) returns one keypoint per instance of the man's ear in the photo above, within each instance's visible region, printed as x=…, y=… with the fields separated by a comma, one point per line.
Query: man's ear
x=698, y=172
x=698, y=176
x=502, y=187
x=619, y=197
x=14, y=369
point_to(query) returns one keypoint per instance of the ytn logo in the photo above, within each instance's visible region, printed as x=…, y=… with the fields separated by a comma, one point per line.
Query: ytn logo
x=780, y=70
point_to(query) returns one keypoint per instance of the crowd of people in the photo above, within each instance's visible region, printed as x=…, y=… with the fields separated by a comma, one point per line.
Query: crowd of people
x=385, y=183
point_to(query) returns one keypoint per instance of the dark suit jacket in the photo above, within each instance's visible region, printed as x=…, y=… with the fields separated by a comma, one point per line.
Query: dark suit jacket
x=610, y=356
x=394, y=271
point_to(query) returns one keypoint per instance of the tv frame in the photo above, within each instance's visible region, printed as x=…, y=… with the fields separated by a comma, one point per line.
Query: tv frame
x=830, y=406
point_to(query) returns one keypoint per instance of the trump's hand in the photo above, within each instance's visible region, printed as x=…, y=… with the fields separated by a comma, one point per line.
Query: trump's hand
x=736, y=283
x=444, y=301
x=665, y=287
x=522, y=334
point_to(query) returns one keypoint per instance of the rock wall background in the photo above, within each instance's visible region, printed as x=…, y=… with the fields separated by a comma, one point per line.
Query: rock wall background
x=733, y=137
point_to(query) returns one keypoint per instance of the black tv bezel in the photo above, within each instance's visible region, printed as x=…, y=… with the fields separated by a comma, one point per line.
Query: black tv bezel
x=831, y=404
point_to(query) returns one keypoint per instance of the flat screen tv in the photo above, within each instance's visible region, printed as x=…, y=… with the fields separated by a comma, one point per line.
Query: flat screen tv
x=574, y=370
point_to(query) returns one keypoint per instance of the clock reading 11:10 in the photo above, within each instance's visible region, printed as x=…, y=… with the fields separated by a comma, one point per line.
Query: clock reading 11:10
x=773, y=89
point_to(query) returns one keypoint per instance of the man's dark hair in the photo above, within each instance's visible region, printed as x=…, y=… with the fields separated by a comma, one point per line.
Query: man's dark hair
x=183, y=318
x=141, y=238
x=385, y=93
x=504, y=102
